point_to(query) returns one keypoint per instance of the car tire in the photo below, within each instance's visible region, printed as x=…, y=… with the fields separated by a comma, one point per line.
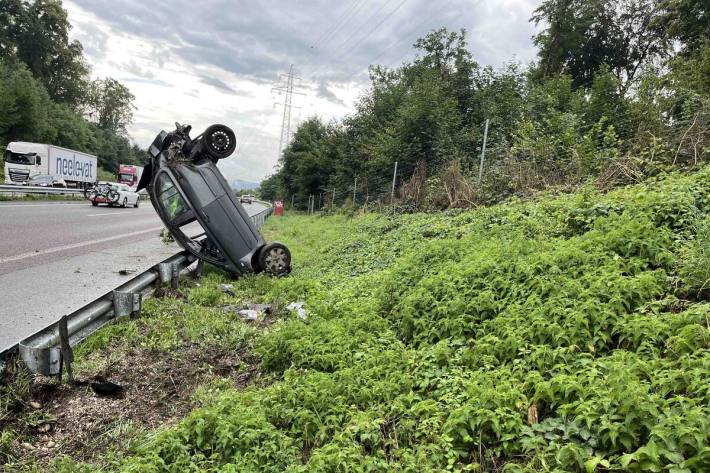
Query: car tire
x=95, y=204
x=275, y=259
x=125, y=202
x=138, y=199
x=219, y=142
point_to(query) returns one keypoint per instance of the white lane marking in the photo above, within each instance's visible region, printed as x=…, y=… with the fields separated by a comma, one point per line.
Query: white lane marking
x=2, y=206
x=109, y=213
x=75, y=245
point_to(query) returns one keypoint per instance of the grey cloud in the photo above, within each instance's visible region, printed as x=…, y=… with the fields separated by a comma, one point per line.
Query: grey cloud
x=217, y=84
x=324, y=92
x=259, y=40
x=132, y=67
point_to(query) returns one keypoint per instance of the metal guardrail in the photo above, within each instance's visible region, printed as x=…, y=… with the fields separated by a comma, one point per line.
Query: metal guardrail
x=42, y=351
x=259, y=218
x=19, y=191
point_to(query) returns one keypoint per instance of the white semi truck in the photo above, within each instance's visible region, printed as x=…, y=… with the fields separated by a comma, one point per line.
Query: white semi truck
x=24, y=160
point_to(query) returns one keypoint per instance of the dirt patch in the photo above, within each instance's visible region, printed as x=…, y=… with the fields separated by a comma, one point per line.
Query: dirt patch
x=158, y=390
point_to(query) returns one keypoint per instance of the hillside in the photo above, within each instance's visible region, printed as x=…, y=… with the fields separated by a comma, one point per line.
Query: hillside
x=566, y=334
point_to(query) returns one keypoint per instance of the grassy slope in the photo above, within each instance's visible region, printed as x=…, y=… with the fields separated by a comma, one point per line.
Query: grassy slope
x=566, y=334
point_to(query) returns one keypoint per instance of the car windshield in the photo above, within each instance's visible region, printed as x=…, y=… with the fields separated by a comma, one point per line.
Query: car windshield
x=19, y=158
x=125, y=177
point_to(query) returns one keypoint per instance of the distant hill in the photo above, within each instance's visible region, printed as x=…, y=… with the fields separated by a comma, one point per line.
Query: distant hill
x=239, y=185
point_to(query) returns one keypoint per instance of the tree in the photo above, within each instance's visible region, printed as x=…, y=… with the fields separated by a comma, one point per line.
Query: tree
x=582, y=35
x=37, y=34
x=24, y=105
x=687, y=21
x=109, y=104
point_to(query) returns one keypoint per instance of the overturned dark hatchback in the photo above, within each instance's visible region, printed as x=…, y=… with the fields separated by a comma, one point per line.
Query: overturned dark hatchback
x=191, y=196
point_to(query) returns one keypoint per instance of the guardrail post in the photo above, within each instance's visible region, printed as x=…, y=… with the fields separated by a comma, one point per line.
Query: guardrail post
x=67, y=353
x=199, y=269
x=169, y=273
x=127, y=304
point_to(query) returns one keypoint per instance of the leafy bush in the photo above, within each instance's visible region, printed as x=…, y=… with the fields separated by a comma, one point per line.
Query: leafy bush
x=539, y=336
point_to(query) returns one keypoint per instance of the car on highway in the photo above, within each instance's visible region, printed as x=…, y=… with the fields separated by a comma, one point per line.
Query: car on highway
x=246, y=199
x=114, y=194
x=45, y=180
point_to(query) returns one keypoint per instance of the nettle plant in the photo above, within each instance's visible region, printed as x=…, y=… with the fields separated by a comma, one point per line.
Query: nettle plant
x=557, y=335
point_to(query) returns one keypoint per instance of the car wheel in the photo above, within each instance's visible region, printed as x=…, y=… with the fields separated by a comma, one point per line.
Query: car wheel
x=220, y=141
x=95, y=204
x=125, y=202
x=138, y=199
x=275, y=259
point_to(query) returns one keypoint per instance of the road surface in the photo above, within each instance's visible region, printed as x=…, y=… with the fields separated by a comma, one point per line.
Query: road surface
x=55, y=257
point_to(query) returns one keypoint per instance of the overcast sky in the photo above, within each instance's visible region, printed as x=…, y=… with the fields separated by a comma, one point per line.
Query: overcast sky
x=216, y=61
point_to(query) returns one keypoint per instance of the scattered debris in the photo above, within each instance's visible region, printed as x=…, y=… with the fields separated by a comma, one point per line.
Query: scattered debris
x=227, y=289
x=249, y=314
x=298, y=308
x=35, y=405
x=158, y=391
x=44, y=428
x=126, y=272
x=102, y=387
x=166, y=237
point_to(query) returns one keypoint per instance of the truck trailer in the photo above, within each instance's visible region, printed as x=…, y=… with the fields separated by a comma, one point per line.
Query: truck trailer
x=24, y=160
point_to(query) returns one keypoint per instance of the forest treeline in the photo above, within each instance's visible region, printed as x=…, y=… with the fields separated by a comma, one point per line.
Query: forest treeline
x=46, y=93
x=620, y=90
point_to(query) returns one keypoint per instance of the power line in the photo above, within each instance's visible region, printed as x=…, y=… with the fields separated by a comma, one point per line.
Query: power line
x=357, y=30
x=367, y=35
x=338, y=24
x=404, y=38
x=387, y=17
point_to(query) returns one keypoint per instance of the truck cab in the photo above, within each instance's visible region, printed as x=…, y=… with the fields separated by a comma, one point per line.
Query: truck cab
x=23, y=161
x=129, y=174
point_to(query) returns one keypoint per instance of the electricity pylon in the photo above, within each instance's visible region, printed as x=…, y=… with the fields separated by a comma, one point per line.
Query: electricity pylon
x=287, y=87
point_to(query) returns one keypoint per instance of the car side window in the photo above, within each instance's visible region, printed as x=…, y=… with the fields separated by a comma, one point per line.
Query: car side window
x=170, y=199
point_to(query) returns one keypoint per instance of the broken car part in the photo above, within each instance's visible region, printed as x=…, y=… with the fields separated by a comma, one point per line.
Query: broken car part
x=199, y=207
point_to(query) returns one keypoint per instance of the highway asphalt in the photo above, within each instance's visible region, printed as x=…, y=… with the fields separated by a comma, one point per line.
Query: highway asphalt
x=55, y=257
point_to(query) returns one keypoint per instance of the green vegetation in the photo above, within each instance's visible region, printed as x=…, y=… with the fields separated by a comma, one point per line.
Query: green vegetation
x=566, y=334
x=46, y=94
x=619, y=93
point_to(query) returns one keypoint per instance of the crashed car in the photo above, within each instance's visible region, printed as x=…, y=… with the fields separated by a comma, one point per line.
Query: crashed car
x=190, y=195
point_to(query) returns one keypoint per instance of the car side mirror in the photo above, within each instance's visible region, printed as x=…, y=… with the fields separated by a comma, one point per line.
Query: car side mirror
x=39, y=160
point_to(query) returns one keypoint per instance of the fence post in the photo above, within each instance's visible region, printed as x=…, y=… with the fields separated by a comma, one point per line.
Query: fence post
x=394, y=180
x=483, y=152
x=354, y=191
x=332, y=200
